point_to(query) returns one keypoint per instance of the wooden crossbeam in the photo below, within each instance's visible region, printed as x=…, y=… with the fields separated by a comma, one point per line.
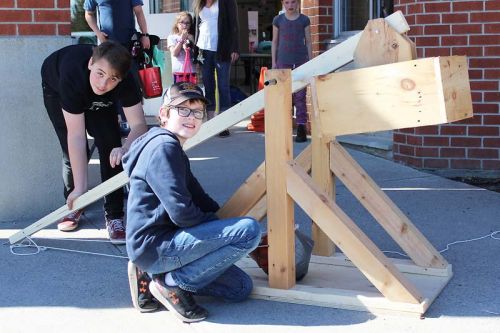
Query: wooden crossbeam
x=364, y=254
x=327, y=62
x=250, y=197
x=383, y=209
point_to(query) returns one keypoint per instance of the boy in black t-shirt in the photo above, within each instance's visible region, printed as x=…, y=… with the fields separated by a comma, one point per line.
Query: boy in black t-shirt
x=81, y=84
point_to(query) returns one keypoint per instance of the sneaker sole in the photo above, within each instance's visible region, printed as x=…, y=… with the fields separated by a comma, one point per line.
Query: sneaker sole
x=157, y=294
x=117, y=241
x=66, y=229
x=132, y=276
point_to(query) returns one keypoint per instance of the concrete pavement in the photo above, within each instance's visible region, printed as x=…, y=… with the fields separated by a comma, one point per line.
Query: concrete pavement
x=56, y=291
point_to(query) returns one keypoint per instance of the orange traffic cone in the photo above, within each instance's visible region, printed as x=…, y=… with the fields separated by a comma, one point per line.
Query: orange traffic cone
x=257, y=119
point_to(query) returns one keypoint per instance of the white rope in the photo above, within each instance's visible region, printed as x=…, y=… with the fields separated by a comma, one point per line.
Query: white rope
x=491, y=235
x=28, y=242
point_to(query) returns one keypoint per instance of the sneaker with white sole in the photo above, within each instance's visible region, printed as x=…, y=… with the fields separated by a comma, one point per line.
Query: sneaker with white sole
x=139, y=289
x=70, y=222
x=116, y=230
x=180, y=302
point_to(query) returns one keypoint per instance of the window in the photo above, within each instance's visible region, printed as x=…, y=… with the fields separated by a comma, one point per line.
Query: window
x=169, y=6
x=352, y=15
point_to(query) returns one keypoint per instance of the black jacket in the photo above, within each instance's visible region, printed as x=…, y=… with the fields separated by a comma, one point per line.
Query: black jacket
x=228, y=41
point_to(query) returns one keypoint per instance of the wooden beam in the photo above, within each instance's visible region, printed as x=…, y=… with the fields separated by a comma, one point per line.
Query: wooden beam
x=327, y=62
x=365, y=255
x=380, y=44
x=400, y=95
x=381, y=207
x=280, y=220
x=250, y=197
x=321, y=174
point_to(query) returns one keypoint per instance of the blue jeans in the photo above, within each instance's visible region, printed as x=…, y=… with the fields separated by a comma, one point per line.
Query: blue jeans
x=210, y=64
x=201, y=258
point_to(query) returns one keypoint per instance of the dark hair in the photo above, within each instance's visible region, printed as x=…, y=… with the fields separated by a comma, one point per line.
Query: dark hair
x=116, y=54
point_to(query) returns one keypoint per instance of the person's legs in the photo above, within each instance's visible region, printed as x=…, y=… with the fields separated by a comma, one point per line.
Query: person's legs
x=299, y=100
x=223, y=84
x=103, y=126
x=233, y=285
x=207, y=72
x=199, y=256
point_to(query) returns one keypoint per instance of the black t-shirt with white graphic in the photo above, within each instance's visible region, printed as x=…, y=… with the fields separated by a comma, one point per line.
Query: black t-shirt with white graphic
x=66, y=73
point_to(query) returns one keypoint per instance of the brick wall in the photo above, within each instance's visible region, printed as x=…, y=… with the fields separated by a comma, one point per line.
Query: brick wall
x=35, y=17
x=320, y=13
x=471, y=28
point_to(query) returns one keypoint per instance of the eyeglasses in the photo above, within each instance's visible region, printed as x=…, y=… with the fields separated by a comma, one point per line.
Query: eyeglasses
x=185, y=22
x=186, y=112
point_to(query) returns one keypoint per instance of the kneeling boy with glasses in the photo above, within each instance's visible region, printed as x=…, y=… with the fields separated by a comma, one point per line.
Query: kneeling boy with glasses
x=173, y=232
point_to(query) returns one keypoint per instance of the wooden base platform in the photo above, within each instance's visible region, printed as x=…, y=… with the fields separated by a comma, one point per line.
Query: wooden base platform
x=335, y=282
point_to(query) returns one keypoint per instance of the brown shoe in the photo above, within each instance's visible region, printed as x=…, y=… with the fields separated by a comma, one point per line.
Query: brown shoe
x=116, y=230
x=70, y=222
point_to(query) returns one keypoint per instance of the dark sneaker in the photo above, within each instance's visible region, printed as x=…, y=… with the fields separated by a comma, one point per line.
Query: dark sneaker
x=116, y=231
x=301, y=133
x=139, y=289
x=70, y=222
x=224, y=134
x=180, y=302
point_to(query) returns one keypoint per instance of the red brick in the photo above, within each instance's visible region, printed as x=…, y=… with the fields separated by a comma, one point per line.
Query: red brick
x=428, y=19
x=398, y=137
x=491, y=165
x=427, y=41
x=395, y=148
x=492, y=51
x=452, y=130
x=427, y=130
x=64, y=29
x=492, y=74
x=8, y=29
x=492, y=5
x=437, y=29
x=437, y=52
x=411, y=19
x=435, y=141
x=15, y=15
x=491, y=142
x=467, y=6
x=436, y=163
x=485, y=108
x=492, y=97
x=35, y=3
x=52, y=16
x=407, y=150
x=426, y=152
x=414, y=140
x=484, y=85
x=482, y=153
x=420, y=52
x=416, y=30
x=455, y=18
x=7, y=4
x=452, y=152
x=467, y=28
x=483, y=63
x=411, y=161
x=416, y=8
x=483, y=130
x=37, y=29
x=475, y=74
x=465, y=142
x=475, y=120
x=454, y=40
x=492, y=28
x=484, y=17
x=465, y=164
x=477, y=96
x=63, y=3
x=484, y=40
x=437, y=7
x=467, y=50
x=407, y=130
x=491, y=119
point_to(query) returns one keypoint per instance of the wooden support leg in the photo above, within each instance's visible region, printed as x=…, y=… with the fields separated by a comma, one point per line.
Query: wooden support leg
x=280, y=224
x=349, y=238
x=387, y=214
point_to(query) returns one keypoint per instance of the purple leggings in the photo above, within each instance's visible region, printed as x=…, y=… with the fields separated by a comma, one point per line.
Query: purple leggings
x=298, y=98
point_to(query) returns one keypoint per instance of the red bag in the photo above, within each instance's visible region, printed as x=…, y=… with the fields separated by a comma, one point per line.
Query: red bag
x=186, y=75
x=151, y=82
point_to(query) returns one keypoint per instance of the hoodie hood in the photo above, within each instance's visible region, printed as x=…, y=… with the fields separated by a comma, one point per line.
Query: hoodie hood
x=132, y=156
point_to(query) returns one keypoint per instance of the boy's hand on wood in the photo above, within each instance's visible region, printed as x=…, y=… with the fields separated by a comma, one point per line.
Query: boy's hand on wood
x=115, y=158
x=72, y=197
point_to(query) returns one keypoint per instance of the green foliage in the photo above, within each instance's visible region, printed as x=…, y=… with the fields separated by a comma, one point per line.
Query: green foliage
x=78, y=22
